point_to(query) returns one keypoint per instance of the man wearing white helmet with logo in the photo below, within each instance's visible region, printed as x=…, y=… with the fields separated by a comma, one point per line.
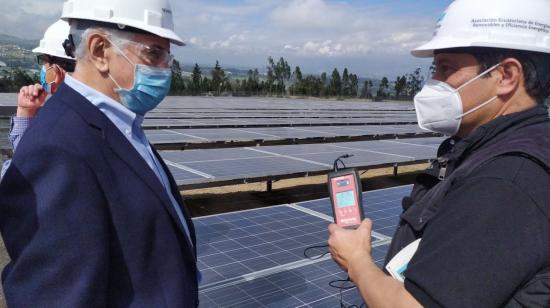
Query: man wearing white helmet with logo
x=475, y=231
x=54, y=64
x=91, y=216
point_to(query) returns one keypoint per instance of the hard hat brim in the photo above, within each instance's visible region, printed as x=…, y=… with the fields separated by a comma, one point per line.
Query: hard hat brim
x=44, y=51
x=427, y=50
x=158, y=31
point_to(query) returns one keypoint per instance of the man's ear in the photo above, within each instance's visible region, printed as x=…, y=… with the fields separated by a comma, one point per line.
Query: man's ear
x=510, y=77
x=60, y=76
x=98, y=51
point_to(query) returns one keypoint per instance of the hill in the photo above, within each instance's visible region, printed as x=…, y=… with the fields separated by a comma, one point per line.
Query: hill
x=16, y=52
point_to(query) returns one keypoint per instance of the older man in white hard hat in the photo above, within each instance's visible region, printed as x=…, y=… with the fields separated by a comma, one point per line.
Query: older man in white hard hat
x=91, y=216
x=475, y=231
x=54, y=65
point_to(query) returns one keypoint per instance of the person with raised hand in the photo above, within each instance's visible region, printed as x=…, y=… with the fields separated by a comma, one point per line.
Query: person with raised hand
x=54, y=64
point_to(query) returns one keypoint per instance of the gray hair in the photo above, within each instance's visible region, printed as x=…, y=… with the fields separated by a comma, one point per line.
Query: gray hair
x=81, y=30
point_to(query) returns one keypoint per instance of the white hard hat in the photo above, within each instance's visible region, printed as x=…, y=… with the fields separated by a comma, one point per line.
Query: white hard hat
x=52, y=42
x=153, y=16
x=506, y=24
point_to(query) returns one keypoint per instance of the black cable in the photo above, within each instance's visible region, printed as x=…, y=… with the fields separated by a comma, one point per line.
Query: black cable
x=333, y=283
x=339, y=160
x=342, y=288
x=316, y=247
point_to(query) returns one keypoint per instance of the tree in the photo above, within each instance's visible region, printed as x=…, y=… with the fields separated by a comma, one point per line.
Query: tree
x=299, y=86
x=414, y=83
x=218, y=78
x=196, y=78
x=400, y=86
x=367, y=89
x=297, y=74
x=346, y=84
x=382, y=92
x=178, y=85
x=278, y=72
x=251, y=86
x=325, y=91
x=335, y=83
x=16, y=78
x=354, y=81
x=206, y=85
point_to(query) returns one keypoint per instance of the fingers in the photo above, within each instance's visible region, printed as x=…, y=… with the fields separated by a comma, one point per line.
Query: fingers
x=36, y=90
x=332, y=228
x=366, y=226
x=32, y=91
x=24, y=91
x=41, y=99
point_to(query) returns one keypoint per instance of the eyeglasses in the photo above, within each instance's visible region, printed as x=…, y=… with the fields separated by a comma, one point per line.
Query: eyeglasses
x=43, y=59
x=152, y=55
x=67, y=65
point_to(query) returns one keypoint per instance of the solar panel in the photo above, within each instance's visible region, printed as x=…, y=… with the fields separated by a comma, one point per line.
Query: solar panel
x=267, y=122
x=277, y=115
x=181, y=137
x=258, y=163
x=255, y=258
x=259, y=103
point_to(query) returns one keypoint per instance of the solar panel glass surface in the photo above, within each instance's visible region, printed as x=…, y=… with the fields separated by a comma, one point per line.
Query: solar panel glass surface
x=255, y=258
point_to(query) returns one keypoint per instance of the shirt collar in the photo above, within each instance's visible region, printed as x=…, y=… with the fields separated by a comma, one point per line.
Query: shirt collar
x=121, y=116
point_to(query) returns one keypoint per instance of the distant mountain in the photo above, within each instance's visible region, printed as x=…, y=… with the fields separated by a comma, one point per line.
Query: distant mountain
x=16, y=52
x=23, y=43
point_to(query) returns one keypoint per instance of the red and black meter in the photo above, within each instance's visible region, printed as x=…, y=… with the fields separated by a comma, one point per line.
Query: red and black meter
x=346, y=195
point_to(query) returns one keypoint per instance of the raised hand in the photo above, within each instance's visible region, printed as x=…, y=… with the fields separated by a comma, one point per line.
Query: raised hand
x=30, y=99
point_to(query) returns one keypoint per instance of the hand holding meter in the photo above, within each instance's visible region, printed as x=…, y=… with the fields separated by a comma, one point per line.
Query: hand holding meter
x=345, y=195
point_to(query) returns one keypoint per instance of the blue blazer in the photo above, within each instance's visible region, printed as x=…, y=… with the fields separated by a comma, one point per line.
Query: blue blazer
x=85, y=220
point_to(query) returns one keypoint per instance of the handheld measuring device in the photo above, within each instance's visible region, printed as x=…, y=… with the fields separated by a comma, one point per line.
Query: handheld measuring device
x=345, y=195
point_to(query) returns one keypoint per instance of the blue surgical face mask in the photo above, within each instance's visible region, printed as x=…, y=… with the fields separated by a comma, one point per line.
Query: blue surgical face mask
x=151, y=85
x=45, y=85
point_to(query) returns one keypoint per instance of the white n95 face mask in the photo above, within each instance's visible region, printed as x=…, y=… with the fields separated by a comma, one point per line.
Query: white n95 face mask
x=439, y=106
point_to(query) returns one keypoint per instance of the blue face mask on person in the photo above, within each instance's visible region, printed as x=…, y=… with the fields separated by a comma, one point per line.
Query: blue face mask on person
x=151, y=85
x=45, y=85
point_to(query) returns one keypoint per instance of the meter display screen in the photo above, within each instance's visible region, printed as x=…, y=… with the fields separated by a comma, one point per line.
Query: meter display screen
x=345, y=199
x=342, y=183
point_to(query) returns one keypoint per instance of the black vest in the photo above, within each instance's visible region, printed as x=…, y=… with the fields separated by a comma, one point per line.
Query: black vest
x=525, y=134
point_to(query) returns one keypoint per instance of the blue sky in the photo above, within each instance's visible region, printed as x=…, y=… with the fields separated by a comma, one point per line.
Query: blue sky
x=370, y=37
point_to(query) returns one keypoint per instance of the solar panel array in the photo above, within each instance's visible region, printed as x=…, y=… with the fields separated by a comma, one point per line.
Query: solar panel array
x=197, y=138
x=216, y=166
x=271, y=122
x=291, y=114
x=255, y=258
x=267, y=103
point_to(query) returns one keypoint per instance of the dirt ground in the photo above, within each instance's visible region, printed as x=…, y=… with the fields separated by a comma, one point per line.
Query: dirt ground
x=217, y=200
x=247, y=196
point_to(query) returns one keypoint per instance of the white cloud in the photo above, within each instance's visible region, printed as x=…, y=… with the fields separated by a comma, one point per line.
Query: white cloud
x=305, y=15
x=251, y=30
x=299, y=27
